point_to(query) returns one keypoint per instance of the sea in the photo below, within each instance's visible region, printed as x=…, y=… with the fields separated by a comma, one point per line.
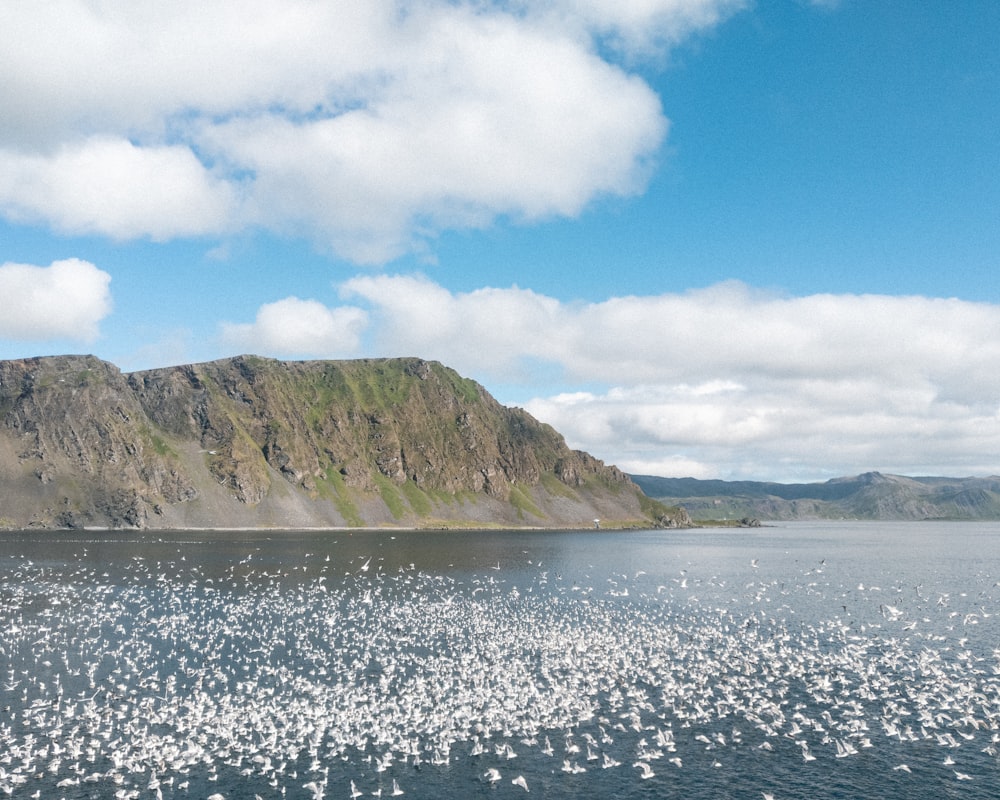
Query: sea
x=797, y=660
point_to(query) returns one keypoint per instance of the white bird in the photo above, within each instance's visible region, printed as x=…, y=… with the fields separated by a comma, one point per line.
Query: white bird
x=492, y=775
x=520, y=781
x=647, y=771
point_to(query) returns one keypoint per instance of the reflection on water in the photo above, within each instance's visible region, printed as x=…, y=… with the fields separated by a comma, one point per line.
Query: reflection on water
x=808, y=660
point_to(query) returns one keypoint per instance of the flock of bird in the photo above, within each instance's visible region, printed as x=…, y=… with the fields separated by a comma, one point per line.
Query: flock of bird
x=350, y=679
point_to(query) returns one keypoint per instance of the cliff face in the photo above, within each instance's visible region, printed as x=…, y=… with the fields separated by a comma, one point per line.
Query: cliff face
x=263, y=443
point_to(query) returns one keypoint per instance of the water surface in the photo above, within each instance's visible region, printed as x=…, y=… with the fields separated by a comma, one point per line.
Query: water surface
x=807, y=660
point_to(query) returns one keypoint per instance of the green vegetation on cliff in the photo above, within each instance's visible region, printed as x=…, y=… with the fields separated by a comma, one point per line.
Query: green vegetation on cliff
x=256, y=442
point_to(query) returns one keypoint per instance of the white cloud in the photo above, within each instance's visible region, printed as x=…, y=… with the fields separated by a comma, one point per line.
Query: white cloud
x=294, y=327
x=369, y=126
x=726, y=332
x=495, y=327
x=66, y=300
x=726, y=380
x=112, y=187
x=780, y=430
x=640, y=25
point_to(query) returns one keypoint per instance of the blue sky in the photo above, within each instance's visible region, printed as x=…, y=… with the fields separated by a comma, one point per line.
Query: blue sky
x=700, y=237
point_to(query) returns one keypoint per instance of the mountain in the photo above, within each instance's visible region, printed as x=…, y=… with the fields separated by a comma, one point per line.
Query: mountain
x=868, y=496
x=254, y=442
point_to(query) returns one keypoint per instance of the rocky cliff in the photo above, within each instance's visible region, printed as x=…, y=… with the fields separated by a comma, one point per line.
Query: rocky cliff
x=253, y=442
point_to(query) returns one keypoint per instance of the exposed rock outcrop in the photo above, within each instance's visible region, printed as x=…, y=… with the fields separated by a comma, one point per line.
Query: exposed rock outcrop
x=263, y=443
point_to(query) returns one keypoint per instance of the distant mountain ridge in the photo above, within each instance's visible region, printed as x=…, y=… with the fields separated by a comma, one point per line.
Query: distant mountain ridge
x=260, y=443
x=871, y=495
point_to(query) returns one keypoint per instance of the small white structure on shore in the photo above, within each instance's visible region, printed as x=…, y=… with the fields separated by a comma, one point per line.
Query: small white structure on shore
x=597, y=523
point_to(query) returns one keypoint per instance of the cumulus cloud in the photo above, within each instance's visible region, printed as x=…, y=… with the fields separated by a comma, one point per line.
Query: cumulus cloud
x=112, y=187
x=65, y=300
x=722, y=381
x=783, y=430
x=500, y=328
x=294, y=327
x=367, y=125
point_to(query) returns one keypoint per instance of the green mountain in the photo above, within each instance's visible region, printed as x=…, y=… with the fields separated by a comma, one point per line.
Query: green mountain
x=253, y=442
x=868, y=496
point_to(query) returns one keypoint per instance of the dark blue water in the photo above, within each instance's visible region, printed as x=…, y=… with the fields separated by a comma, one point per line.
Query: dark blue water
x=801, y=661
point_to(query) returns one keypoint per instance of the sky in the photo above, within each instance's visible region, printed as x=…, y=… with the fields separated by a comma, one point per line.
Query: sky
x=708, y=238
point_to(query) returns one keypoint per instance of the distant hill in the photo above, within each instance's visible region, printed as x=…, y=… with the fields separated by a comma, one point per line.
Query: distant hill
x=254, y=442
x=868, y=496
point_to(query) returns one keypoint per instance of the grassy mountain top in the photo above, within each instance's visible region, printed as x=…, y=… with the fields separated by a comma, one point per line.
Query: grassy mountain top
x=257, y=442
x=871, y=495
